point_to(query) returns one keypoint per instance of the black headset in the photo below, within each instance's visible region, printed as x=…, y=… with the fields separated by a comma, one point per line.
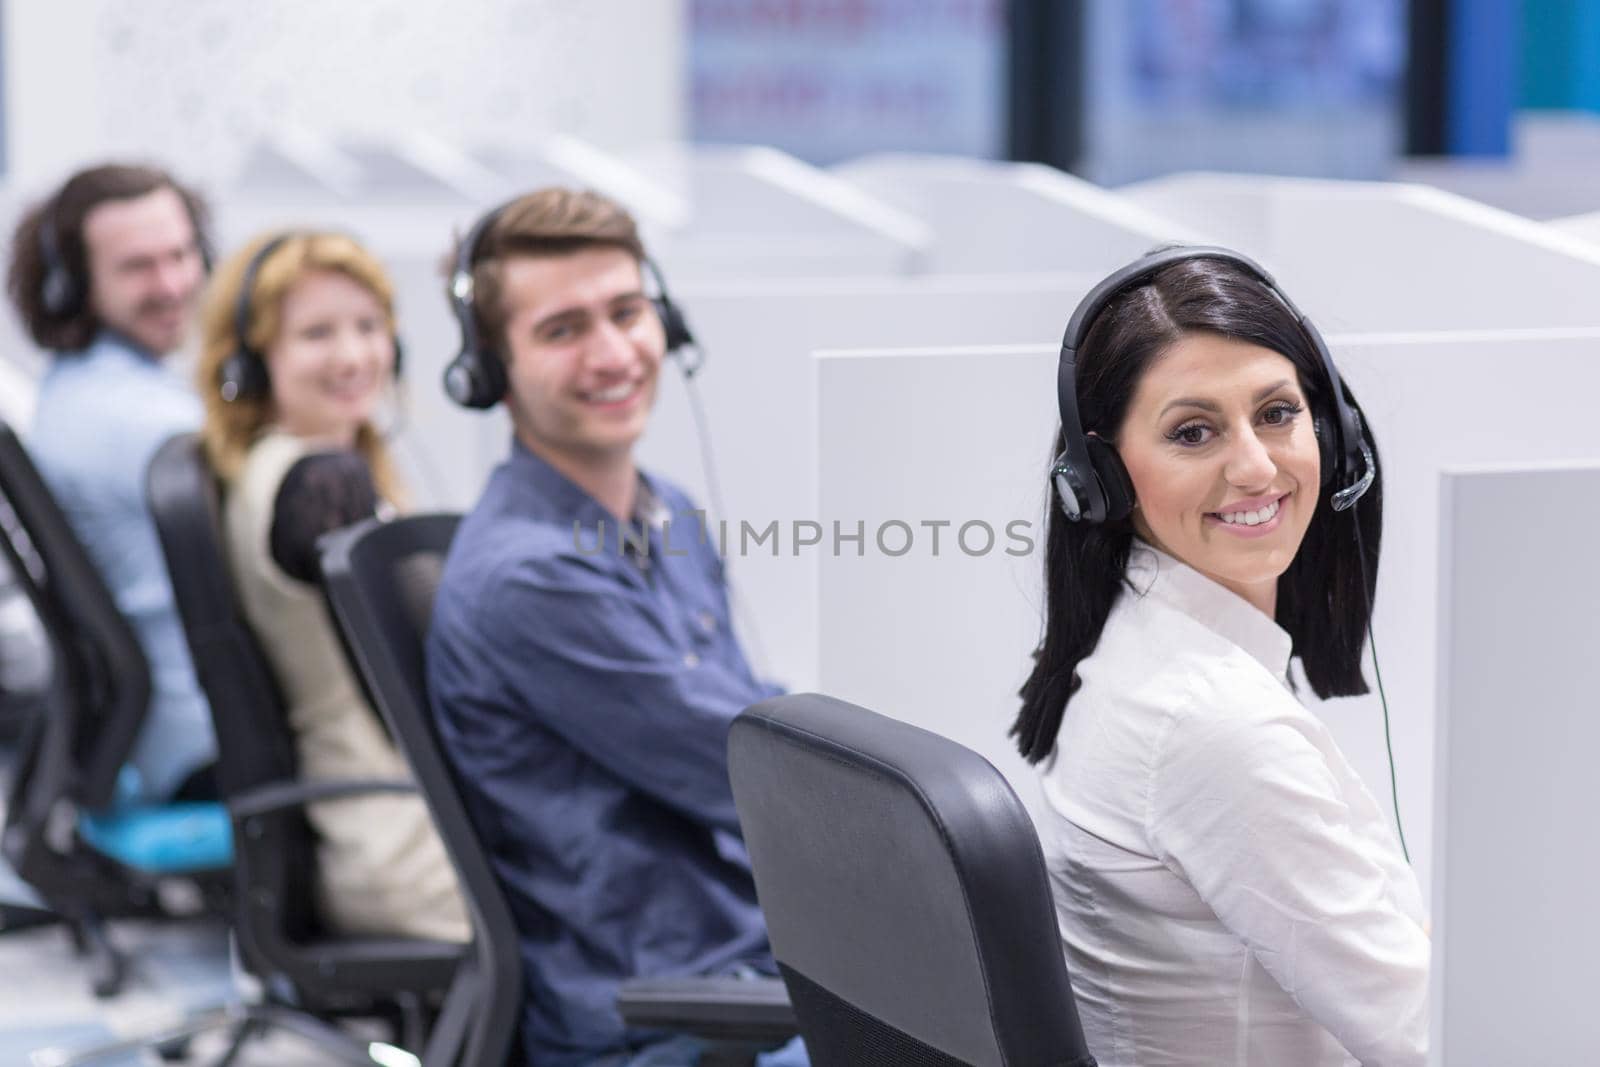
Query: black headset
x=243, y=375
x=476, y=378
x=1091, y=483
x=60, y=290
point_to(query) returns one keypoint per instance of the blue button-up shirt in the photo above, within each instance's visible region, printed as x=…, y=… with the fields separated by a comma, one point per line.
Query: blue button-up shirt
x=101, y=415
x=584, y=693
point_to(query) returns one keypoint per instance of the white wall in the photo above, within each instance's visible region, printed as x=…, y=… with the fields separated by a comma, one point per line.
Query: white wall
x=194, y=83
x=945, y=641
x=1585, y=227
x=1376, y=256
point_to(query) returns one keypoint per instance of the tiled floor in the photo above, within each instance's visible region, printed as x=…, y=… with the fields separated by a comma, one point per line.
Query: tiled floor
x=176, y=969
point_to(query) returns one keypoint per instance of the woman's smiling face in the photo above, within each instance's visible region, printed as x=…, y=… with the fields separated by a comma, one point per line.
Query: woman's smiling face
x=1218, y=442
x=332, y=359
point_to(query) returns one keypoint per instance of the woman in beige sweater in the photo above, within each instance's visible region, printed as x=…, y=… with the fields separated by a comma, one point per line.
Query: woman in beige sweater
x=299, y=350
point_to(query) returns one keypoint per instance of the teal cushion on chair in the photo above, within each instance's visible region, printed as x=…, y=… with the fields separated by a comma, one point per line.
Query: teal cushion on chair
x=163, y=839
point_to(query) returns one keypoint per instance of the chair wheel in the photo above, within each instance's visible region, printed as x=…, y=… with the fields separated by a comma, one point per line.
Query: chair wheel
x=107, y=967
x=175, y=1050
x=107, y=980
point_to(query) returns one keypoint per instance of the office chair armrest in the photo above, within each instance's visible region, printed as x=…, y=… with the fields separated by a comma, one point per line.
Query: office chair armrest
x=280, y=796
x=743, y=1009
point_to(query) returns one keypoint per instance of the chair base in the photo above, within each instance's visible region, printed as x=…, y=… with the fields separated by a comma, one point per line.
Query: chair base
x=83, y=890
x=107, y=964
x=244, y=1023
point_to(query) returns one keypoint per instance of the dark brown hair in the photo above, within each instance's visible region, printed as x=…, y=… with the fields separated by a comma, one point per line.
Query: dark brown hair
x=550, y=222
x=75, y=327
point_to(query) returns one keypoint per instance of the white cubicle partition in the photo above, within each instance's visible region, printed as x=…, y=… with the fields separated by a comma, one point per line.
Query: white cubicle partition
x=1516, y=934
x=989, y=216
x=1548, y=172
x=755, y=212
x=20, y=362
x=758, y=388
x=1380, y=256
x=1585, y=227
x=945, y=641
x=19, y=388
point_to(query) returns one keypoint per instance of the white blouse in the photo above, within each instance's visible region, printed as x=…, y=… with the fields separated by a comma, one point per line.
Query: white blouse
x=1226, y=888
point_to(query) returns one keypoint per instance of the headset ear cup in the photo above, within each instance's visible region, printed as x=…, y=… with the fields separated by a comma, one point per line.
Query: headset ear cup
x=399, y=356
x=244, y=376
x=1324, y=435
x=493, y=376
x=58, y=288
x=1115, y=485
x=57, y=291
x=475, y=379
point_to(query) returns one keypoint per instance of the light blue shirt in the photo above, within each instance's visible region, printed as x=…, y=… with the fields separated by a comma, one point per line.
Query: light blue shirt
x=101, y=415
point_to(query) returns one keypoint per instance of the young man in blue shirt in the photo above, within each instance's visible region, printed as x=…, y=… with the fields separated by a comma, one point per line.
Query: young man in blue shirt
x=581, y=660
x=105, y=274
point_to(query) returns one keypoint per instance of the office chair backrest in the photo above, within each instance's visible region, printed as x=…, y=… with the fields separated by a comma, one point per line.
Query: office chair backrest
x=904, y=890
x=380, y=580
x=101, y=665
x=254, y=744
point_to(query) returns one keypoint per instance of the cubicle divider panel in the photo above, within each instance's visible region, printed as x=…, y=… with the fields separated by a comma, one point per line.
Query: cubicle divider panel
x=1585, y=227
x=758, y=212
x=758, y=392
x=989, y=216
x=1516, y=934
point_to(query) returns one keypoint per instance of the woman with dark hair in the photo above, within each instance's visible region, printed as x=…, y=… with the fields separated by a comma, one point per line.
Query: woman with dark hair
x=1227, y=889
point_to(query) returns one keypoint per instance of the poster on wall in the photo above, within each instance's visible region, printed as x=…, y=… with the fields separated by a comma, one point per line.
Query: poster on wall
x=830, y=79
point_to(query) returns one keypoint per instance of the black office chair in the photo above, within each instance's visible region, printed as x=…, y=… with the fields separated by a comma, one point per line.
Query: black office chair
x=281, y=939
x=25, y=664
x=905, y=892
x=89, y=853
x=380, y=580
